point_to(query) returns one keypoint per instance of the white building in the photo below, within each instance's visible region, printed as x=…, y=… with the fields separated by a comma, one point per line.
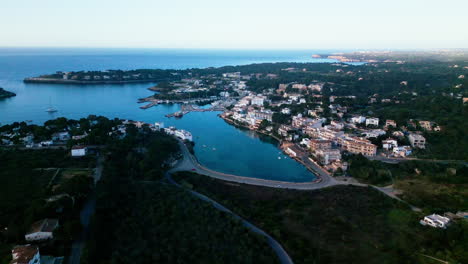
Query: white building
x=258, y=100
x=374, y=133
x=417, y=141
x=159, y=125
x=25, y=254
x=358, y=119
x=79, y=151
x=286, y=111
x=435, y=220
x=325, y=156
x=183, y=134
x=42, y=230
x=292, y=152
x=372, y=121
x=402, y=151
x=389, y=143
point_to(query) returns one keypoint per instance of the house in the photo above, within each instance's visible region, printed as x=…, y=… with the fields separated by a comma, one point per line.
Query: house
x=372, y=121
x=299, y=86
x=417, y=141
x=79, y=151
x=358, y=119
x=25, y=254
x=426, y=125
x=326, y=156
x=389, y=143
x=320, y=144
x=42, y=230
x=258, y=100
x=402, y=151
x=374, y=133
x=435, y=220
x=61, y=136
x=183, y=134
x=286, y=111
x=283, y=130
x=316, y=87
x=294, y=151
x=46, y=143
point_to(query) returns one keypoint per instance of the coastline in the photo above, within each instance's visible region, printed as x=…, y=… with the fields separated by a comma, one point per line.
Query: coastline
x=315, y=171
x=63, y=81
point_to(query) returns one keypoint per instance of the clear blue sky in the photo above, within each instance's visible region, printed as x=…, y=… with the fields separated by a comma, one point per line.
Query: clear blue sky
x=239, y=24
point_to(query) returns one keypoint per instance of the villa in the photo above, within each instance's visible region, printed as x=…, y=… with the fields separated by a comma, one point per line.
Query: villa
x=436, y=221
x=42, y=230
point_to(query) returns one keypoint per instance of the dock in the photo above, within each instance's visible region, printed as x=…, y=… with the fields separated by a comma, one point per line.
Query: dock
x=187, y=108
x=149, y=105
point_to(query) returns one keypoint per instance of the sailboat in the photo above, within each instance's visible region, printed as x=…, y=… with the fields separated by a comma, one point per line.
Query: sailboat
x=51, y=109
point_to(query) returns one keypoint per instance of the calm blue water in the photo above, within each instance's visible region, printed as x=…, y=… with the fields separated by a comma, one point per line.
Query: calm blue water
x=219, y=146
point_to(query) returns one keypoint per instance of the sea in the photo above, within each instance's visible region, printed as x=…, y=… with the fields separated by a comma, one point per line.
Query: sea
x=218, y=145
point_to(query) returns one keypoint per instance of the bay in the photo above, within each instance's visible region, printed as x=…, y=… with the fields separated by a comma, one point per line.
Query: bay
x=219, y=146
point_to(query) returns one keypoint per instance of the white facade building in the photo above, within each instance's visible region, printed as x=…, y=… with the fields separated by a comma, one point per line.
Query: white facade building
x=79, y=151
x=417, y=141
x=435, y=220
x=42, y=230
x=184, y=135
x=358, y=119
x=258, y=100
x=372, y=121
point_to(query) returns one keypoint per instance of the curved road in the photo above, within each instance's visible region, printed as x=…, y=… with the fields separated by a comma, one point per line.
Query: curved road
x=190, y=163
x=324, y=180
x=277, y=248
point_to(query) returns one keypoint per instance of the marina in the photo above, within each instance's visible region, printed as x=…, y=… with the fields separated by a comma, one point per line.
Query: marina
x=185, y=109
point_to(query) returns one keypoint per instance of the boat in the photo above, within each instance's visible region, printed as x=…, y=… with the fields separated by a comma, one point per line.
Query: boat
x=51, y=109
x=279, y=157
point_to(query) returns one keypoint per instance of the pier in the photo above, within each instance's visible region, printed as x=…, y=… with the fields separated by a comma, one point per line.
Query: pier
x=187, y=108
x=149, y=105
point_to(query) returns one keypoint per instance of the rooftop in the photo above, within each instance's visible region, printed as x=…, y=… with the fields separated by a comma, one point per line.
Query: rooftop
x=44, y=225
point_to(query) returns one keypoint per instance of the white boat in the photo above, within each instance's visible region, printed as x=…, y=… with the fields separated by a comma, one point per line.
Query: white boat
x=279, y=157
x=51, y=109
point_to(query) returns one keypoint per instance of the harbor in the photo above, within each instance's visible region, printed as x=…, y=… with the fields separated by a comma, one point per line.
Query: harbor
x=187, y=108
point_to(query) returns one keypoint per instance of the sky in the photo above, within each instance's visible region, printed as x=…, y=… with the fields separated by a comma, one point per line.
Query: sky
x=239, y=24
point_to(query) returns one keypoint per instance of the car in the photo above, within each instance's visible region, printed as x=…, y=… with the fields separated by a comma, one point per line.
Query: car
x=193, y=169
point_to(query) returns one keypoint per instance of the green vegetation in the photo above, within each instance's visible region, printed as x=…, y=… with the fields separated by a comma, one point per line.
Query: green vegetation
x=435, y=186
x=6, y=94
x=25, y=177
x=153, y=222
x=343, y=224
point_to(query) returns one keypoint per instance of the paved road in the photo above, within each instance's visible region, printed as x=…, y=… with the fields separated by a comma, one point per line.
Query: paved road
x=277, y=248
x=395, y=160
x=85, y=217
x=189, y=163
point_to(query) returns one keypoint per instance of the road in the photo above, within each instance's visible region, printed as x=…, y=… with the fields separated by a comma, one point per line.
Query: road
x=398, y=160
x=282, y=255
x=190, y=163
x=85, y=217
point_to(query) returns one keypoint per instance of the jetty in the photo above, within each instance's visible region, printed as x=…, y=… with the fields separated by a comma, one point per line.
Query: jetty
x=187, y=108
x=149, y=105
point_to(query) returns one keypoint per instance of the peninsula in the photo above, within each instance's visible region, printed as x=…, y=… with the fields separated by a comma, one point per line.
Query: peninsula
x=5, y=94
x=106, y=77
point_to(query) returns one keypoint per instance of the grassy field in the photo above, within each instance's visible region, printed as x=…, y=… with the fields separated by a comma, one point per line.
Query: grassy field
x=344, y=224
